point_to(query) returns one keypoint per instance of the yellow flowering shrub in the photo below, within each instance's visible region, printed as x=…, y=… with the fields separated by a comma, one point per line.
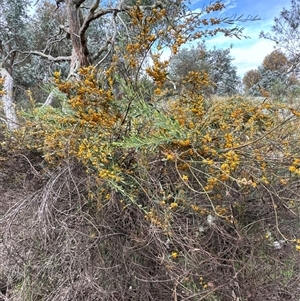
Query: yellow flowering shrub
x=197, y=177
x=84, y=131
x=210, y=147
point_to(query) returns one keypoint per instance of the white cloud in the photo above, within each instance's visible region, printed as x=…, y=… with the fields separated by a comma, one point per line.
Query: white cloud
x=195, y=1
x=247, y=53
x=250, y=57
x=198, y=11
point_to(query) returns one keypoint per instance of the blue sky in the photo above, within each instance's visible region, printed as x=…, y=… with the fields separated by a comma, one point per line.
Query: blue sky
x=248, y=53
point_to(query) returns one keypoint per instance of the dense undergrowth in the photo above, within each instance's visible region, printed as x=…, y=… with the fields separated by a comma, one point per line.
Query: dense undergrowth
x=172, y=198
x=134, y=189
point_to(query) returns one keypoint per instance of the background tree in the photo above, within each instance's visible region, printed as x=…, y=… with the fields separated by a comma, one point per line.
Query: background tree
x=286, y=32
x=216, y=62
x=123, y=23
x=49, y=38
x=272, y=76
x=13, y=40
x=80, y=33
x=276, y=61
x=251, y=78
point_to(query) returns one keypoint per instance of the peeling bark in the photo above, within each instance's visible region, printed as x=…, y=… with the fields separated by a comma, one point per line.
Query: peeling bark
x=80, y=54
x=7, y=100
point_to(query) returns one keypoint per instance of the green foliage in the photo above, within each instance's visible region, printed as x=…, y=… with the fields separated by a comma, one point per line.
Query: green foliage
x=16, y=38
x=216, y=62
x=251, y=78
x=186, y=167
x=276, y=61
x=133, y=191
x=285, y=32
x=271, y=78
x=12, y=22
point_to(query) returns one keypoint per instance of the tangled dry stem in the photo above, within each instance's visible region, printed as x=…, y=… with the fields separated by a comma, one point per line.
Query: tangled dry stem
x=57, y=245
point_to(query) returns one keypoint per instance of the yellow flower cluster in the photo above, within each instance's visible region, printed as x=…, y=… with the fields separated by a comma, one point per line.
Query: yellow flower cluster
x=158, y=71
x=196, y=80
x=215, y=7
x=86, y=131
x=2, y=91
x=203, y=284
x=173, y=205
x=211, y=183
x=295, y=167
x=156, y=219
x=109, y=174
x=200, y=210
x=178, y=41
x=222, y=210
x=170, y=156
x=143, y=23
x=188, y=109
x=230, y=140
x=185, y=178
x=214, y=151
x=174, y=255
x=232, y=159
x=298, y=244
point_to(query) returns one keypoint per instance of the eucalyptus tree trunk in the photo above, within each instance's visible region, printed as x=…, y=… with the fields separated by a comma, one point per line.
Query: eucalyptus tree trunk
x=80, y=54
x=7, y=100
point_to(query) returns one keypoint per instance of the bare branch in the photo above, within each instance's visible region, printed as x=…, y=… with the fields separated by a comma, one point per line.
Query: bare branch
x=125, y=26
x=93, y=16
x=111, y=42
x=50, y=57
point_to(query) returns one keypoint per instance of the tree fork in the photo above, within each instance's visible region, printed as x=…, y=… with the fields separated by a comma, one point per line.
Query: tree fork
x=80, y=54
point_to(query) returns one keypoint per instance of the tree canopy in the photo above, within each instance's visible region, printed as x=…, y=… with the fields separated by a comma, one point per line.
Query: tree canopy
x=216, y=62
x=286, y=30
x=273, y=76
